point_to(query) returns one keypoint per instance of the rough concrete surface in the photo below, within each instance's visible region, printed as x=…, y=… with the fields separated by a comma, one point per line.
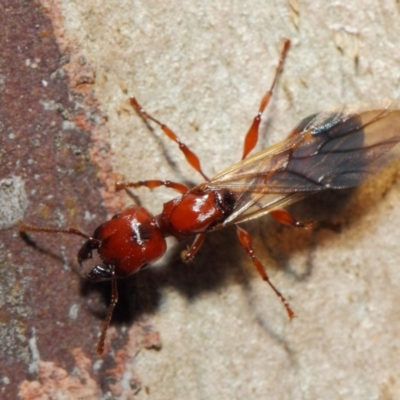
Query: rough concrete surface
x=202, y=68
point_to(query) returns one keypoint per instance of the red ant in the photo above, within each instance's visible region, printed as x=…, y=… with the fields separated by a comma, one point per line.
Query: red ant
x=333, y=150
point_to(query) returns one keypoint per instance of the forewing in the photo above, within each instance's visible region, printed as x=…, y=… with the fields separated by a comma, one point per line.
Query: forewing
x=332, y=150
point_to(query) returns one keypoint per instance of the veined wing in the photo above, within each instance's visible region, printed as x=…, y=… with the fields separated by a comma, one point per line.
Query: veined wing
x=331, y=150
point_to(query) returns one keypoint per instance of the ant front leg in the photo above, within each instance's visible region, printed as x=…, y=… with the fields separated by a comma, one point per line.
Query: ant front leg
x=246, y=242
x=151, y=184
x=191, y=157
x=252, y=134
x=111, y=307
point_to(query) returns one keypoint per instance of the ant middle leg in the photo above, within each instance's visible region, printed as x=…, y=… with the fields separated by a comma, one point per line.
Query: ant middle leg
x=191, y=157
x=194, y=248
x=252, y=134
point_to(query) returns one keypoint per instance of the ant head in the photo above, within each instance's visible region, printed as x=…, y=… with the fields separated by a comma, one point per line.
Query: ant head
x=125, y=244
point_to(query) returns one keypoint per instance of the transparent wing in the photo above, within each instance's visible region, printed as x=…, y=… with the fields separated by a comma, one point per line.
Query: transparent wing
x=331, y=150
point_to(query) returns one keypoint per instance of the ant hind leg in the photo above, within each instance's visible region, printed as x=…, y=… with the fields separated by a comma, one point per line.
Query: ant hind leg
x=246, y=243
x=286, y=218
x=252, y=134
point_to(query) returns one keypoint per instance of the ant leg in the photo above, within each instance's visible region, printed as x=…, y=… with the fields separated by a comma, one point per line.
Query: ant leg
x=245, y=241
x=191, y=157
x=252, y=134
x=106, y=323
x=284, y=217
x=151, y=184
x=194, y=248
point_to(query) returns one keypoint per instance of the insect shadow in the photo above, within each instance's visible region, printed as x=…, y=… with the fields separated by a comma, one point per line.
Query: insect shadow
x=220, y=262
x=141, y=294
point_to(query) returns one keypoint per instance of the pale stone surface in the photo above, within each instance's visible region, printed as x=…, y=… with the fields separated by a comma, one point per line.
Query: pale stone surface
x=202, y=67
